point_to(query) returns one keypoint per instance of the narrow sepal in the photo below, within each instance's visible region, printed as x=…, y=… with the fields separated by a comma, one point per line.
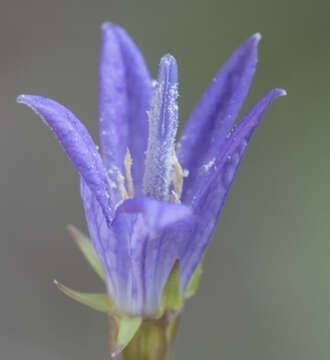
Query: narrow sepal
x=153, y=340
x=87, y=249
x=171, y=299
x=127, y=328
x=78, y=144
x=99, y=302
x=194, y=281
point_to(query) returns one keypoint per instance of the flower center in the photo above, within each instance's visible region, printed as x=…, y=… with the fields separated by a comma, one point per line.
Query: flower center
x=126, y=184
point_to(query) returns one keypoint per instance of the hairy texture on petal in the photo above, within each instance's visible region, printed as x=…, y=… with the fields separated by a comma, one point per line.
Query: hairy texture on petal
x=214, y=116
x=125, y=91
x=212, y=192
x=163, y=124
x=77, y=143
x=135, y=255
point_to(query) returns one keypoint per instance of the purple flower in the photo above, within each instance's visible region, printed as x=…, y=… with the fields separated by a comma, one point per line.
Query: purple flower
x=149, y=203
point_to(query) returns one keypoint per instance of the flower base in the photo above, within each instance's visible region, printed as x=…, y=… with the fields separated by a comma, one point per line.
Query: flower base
x=153, y=340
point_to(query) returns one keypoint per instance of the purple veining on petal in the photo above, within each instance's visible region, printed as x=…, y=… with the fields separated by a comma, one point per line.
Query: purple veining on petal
x=154, y=245
x=128, y=249
x=100, y=234
x=77, y=143
x=138, y=239
x=125, y=91
x=215, y=114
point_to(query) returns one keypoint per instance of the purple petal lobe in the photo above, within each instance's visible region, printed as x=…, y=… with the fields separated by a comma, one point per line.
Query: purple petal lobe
x=125, y=91
x=163, y=124
x=214, y=116
x=215, y=186
x=77, y=143
x=100, y=233
x=153, y=211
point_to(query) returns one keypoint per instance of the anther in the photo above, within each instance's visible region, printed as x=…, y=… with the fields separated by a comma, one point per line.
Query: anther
x=177, y=181
x=121, y=182
x=129, y=179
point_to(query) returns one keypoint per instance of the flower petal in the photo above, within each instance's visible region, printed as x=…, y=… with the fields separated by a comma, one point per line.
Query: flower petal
x=157, y=214
x=87, y=249
x=214, y=116
x=163, y=124
x=214, y=187
x=77, y=143
x=136, y=256
x=100, y=234
x=125, y=91
x=153, y=249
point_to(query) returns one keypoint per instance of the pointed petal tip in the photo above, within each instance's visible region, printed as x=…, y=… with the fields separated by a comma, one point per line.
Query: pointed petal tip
x=252, y=43
x=26, y=99
x=269, y=98
x=257, y=37
x=106, y=25
x=281, y=92
x=277, y=93
x=20, y=99
x=111, y=29
x=31, y=101
x=110, y=26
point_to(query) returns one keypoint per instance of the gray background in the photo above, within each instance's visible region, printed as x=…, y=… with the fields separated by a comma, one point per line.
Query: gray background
x=265, y=292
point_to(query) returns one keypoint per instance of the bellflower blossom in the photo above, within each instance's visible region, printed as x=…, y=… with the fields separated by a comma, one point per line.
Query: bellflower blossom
x=150, y=203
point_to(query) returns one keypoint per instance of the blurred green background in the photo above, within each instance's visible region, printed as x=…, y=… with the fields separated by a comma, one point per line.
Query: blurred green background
x=265, y=292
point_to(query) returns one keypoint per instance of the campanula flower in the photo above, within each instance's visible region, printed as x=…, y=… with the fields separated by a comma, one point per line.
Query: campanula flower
x=151, y=203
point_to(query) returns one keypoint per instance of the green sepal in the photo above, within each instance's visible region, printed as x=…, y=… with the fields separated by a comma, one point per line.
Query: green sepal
x=153, y=339
x=99, y=302
x=194, y=281
x=86, y=247
x=171, y=298
x=127, y=328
